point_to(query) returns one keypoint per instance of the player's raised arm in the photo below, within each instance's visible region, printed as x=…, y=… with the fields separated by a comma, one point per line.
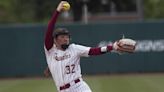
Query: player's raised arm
x=51, y=25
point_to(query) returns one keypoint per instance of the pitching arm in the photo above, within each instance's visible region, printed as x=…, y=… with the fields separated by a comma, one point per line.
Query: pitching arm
x=48, y=36
x=51, y=25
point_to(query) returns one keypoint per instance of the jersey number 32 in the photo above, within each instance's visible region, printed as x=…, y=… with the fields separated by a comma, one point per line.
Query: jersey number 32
x=70, y=69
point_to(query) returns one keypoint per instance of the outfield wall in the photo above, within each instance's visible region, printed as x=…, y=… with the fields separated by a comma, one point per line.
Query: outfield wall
x=22, y=52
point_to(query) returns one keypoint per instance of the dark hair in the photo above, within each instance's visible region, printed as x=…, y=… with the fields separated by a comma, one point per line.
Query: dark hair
x=60, y=31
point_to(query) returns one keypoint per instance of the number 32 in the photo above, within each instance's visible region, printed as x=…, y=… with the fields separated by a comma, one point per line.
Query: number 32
x=70, y=69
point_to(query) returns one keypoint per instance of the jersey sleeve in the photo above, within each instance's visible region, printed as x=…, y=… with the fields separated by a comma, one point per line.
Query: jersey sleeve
x=82, y=50
x=48, y=36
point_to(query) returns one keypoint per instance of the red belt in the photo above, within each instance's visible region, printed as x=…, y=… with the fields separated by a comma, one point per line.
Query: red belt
x=68, y=84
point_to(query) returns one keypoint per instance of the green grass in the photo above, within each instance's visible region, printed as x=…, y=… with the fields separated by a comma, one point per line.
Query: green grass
x=107, y=83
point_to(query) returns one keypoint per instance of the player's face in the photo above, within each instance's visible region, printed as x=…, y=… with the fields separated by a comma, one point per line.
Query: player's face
x=62, y=39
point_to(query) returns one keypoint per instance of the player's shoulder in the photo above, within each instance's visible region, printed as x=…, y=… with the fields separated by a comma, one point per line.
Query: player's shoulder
x=74, y=45
x=77, y=46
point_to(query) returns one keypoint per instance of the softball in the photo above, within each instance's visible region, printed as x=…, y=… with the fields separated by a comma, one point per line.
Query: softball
x=66, y=6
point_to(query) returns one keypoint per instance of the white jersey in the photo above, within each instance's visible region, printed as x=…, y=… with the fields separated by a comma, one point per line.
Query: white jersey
x=65, y=65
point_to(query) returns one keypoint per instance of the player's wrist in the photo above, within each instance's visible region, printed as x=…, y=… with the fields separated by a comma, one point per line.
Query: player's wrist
x=107, y=48
x=58, y=10
x=110, y=47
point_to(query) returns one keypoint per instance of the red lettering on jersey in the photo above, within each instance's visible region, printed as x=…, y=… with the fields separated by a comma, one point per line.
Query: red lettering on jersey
x=60, y=58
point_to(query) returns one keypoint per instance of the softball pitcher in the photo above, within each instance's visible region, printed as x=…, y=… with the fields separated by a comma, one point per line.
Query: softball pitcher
x=63, y=57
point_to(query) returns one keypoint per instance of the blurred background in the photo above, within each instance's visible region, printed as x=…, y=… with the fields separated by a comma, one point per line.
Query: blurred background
x=91, y=23
x=39, y=11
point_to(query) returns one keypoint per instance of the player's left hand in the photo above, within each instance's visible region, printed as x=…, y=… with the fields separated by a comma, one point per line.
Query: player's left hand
x=47, y=72
x=124, y=45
